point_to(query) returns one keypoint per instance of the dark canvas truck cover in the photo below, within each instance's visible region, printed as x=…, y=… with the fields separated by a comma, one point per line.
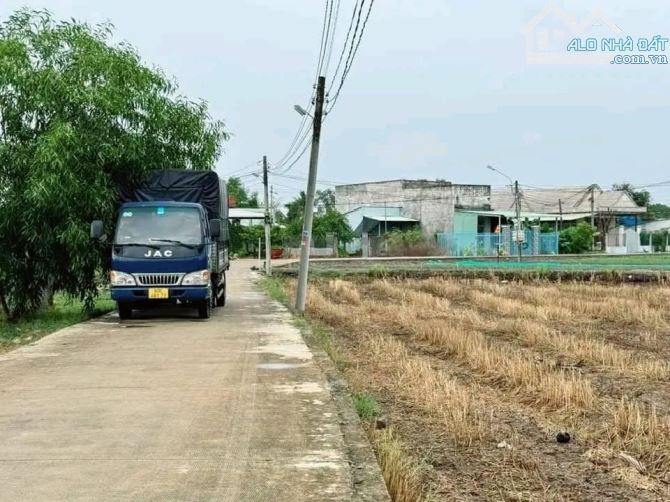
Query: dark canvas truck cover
x=179, y=185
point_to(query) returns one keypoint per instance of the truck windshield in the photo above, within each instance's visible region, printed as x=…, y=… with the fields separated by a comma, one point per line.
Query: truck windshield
x=159, y=225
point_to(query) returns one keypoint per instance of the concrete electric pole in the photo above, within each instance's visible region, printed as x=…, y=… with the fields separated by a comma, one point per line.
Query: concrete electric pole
x=268, y=247
x=519, y=235
x=309, y=198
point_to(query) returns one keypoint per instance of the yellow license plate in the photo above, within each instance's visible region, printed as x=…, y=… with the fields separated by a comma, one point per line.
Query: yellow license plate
x=158, y=293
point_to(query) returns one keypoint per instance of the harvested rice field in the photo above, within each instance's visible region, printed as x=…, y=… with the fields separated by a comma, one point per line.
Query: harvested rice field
x=474, y=382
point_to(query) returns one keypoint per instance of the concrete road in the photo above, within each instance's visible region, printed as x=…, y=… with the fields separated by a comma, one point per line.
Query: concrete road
x=164, y=408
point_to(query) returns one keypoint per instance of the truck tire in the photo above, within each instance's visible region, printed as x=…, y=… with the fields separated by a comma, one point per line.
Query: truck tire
x=221, y=300
x=125, y=310
x=205, y=309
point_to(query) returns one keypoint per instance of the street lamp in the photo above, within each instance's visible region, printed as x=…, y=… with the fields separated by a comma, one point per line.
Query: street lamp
x=301, y=111
x=491, y=168
x=517, y=203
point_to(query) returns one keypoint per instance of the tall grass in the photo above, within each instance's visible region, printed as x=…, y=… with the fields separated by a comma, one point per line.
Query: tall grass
x=536, y=382
x=401, y=472
x=585, y=347
x=639, y=430
x=451, y=404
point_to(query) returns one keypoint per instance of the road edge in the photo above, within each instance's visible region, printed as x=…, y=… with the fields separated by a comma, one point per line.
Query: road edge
x=367, y=479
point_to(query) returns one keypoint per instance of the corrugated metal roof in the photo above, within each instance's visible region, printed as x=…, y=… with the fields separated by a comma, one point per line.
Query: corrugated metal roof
x=246, y=213
x=372, y=221
x=530, y=216
x=655, y=226
x=390, y=218
x=572, y=200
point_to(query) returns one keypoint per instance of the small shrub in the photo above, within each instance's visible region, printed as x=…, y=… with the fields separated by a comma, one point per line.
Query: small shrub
x=409, y=243
x=366, y=406
x=379, y=271
x=577, y=239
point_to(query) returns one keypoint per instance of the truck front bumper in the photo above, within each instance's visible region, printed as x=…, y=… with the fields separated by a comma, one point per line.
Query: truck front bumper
x=177, y=294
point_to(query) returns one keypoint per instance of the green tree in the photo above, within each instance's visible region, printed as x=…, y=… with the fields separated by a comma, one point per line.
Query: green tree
x=295, y=209
x=244, y=238
x=658, y=211
x=78, y=115
x=332, y=222
x=641, y=197
x=326, y=199
x=329, y=222
x=240, y=194
x=577, y=239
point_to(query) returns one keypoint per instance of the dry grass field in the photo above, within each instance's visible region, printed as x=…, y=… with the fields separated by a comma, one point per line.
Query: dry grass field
x=478, y=377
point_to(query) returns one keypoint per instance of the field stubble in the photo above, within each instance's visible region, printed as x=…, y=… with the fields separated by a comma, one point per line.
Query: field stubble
x=496, y=369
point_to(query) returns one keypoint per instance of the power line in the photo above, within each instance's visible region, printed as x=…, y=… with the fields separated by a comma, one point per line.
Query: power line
x=244, y=168
x=381, y=193
x=352, y=55
x=301, y=147
x=344, y=47
x=325, y=54
x=652, y=185
x=332, y=35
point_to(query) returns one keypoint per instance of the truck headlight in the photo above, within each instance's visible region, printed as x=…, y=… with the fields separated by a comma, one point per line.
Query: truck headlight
x=199, y=278
x=121, y=279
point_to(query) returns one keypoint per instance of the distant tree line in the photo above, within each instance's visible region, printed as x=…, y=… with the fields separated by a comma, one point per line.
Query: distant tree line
x=287, y=230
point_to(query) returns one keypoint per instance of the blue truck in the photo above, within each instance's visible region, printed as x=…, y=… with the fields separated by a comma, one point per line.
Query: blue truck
x=170, y=244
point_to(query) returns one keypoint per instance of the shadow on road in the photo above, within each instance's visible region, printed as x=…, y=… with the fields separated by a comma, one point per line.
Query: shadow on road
x=162, y=313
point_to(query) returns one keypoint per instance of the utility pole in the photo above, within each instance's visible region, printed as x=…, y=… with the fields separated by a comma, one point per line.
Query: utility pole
x=593, y=214
x=517, y=199
x=309, y=198
x=272, y=205
x=560, y=212
x=268, y=250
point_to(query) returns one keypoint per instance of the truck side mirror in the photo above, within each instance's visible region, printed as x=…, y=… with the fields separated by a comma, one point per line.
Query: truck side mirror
x=215, y=228
x=97, y=230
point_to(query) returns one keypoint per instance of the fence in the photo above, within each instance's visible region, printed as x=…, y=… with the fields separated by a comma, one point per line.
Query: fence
x=490, y=244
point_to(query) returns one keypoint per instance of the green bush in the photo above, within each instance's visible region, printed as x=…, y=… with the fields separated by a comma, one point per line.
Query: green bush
x=411, y=242
x=366, y=406
x=577, y=239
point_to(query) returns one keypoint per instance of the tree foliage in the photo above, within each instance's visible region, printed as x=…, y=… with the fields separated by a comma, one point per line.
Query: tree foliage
x=658, y=211
x=641, y=197
x=78, y=114
x=325, y=199
x=240, y=194
x=577, y=239
x=329, y=221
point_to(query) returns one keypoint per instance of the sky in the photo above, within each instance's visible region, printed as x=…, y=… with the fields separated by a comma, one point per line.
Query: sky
x=438, y=89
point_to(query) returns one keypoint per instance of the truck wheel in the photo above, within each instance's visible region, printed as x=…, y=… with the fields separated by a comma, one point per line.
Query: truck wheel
x=205, y=309
x=125, y=310
x=221, y=300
